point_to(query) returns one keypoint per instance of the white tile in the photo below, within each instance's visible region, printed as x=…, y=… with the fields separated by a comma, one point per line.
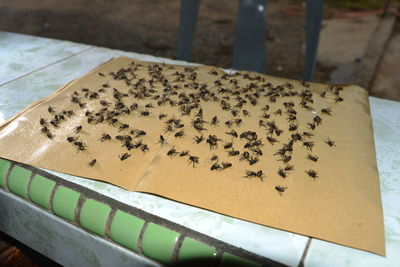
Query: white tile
x=21, y=54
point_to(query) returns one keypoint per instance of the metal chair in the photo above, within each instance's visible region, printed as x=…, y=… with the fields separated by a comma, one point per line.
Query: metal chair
x=249, y=49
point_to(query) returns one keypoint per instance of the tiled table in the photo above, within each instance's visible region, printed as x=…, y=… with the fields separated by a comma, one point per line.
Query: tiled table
x=33, y=67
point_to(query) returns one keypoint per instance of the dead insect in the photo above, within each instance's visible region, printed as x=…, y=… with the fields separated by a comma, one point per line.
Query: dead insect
x=313, y=158
x=280, y=189
x=78, y=129
x=327, y=111
x=144, y=148
x=105, y=137
x=55, y=123
x=216, y=167
x=265, y=108
x=50, y=109
x=251, y=174
x=330, y=142
x=71, y=139
x=214, y=121
x=133, y=107
x=214, y=158
x=92, y=162
x=168, y=128
x=278, y=131
x=253, y=160
x=233, y=153
x=317, y=120
x=228, y=145
x=162, y=140
x=145, y=113
x=311, y=125
x=308, y=134
x=42, y=121
x=213, y=140
x=296, y=137
x=272, y=140
x=338, y=99
x=293, y=127
x=138, y=133
x=282, y=173
x=308, y=144
x=162, y=116
x=172, y=152
x=286, y=158
x=233, y=133
x=184, y=153
x=278, y=112
x=45, y=129
x=246, y=113
x=226, y=165
x=85, y=90
x=193, y=160
x=198, y=139
x=312, y=174
x=124, y=156
x=104, y=103
x=101, y=74
x=81, y=146
x=50, y=135
x=179, y=134
x=289, y=168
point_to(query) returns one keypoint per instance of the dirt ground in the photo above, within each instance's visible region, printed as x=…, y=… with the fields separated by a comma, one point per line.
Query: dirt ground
x=151, y=27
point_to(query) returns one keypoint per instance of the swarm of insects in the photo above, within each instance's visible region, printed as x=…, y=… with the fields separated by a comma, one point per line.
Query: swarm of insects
x=252, y=120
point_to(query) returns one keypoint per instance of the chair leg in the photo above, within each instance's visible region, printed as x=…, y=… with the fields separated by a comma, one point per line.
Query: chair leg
x=249, y=51
x=313, y=27
x=187, y=26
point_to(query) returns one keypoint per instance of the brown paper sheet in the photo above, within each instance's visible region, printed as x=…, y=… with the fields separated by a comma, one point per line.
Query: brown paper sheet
x=341, y=204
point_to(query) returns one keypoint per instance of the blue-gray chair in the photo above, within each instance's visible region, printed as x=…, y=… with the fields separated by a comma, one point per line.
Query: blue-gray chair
x=249, y=49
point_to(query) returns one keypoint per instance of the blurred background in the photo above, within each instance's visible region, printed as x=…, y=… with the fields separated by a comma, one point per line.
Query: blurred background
x=152, y=27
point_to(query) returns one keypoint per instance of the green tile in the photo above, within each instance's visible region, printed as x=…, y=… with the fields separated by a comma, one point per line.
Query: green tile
x=4, y=165
x=40, y=190
x=64, y=202
x=125, y=229
x=159, y=242
x=195, y=253
x=18, y=181
x=94, y=216
x=232, y=260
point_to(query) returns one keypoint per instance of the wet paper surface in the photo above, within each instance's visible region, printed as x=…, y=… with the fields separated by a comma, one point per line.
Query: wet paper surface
x=294, y=156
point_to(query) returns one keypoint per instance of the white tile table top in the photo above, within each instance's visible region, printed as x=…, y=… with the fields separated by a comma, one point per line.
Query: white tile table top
x=278, y=245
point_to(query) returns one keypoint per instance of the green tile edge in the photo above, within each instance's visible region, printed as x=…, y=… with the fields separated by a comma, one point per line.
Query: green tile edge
x=40, y=190
x=4, y=167
x=159, y=242
x=195, y=252
x=146, y=234
x=18, y=181
x=125, y=229
x=64, y=202
x=94, y=216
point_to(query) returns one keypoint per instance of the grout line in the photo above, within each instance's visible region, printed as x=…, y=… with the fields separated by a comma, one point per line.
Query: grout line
x=48, y=65
x=52, y=193
x=110, y=218
x=78, y=209
x=140, y=239
x=177, y=248
x=303, y=257
x=28, y=187
x=6, y=177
